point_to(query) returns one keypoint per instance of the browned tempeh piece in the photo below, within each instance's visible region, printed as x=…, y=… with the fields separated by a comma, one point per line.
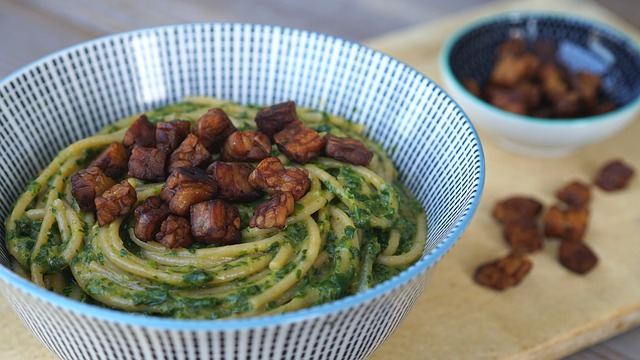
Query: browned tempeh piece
x=349, y=150
x=170, y=134
x=149, y=217
x=273, y=119
x=577, y=256
x=273, y=178
x=523, y=235
x=514, y=46
x=113, y=160
x=175, y=232
x=215, y=222
x=614, y=175
x=575, y=193
x=191, y=152
x=233, y=181
x=187, y=186
x=87, y=184
x=147, y=163
x=299, y=143
x=568, y=223
x=142, y=133
x=587, y=86
x=272, y=213
x=511, y=69
x=504, y=272
x=213, y=128
x=246, y=146
x=516, y=208
x=116, y=201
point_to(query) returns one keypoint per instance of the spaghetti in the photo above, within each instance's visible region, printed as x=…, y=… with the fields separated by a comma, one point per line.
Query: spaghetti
x=354, y=228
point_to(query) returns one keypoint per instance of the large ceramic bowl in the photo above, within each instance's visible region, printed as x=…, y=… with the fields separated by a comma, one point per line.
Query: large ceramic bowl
x=73, y=93
x=583, y=44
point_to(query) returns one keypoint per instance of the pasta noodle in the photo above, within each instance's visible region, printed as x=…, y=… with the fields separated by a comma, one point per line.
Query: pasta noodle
x=356, y=227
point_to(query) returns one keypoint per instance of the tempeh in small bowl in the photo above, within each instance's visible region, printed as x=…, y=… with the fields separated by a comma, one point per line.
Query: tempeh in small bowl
x=543, y=84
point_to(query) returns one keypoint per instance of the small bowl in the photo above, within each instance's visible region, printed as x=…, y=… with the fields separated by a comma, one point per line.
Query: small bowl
x=582, y=44
x=73, y=93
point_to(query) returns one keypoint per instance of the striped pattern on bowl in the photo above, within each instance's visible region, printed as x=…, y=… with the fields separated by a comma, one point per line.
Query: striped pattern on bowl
x=73, y=93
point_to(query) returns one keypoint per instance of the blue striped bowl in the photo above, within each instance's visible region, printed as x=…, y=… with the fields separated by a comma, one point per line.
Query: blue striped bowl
x=73, y=93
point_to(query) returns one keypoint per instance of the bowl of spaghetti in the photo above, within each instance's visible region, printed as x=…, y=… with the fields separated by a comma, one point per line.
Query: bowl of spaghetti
x=227, y=191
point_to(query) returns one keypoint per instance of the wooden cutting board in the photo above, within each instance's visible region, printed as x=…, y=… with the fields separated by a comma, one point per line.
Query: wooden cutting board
x=553, y=312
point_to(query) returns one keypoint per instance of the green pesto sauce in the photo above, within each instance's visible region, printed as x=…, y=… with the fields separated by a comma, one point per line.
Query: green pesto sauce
x=22, y=240
x=172, y=112
x=87, y=156
x=329, y=282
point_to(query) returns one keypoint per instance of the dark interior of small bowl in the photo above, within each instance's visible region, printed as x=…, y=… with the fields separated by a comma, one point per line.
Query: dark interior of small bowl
x=581, y=45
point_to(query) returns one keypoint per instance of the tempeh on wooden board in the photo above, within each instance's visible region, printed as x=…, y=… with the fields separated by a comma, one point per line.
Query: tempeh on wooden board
x=553, y=312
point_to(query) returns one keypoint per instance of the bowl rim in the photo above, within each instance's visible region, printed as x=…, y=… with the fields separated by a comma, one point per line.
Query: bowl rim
x=225, y=324
x=452, y=81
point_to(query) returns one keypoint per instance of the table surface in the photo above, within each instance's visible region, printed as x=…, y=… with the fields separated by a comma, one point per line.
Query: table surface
x=34, y=28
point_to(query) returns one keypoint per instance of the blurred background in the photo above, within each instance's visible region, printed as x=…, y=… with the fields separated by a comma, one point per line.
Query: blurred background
x=34, y=28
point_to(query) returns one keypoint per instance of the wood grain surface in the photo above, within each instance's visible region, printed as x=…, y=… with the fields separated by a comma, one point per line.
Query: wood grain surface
x=552, y=314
